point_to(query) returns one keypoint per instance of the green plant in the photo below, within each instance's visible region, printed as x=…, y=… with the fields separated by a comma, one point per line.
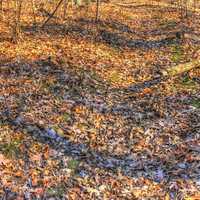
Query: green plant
x=177, y=53
x=73, y=164
x=168, y=24
x=116, y=77
x=57, y=191
x=58, y=130
x=66, y=117
x=11, y=149
x=196, y=103
x=187, y=81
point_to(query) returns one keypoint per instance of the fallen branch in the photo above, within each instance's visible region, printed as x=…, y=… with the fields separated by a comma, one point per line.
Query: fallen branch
x=165, y=75
x=181, y=68
x=194, y=37
x=154, y=3
x=128, y=4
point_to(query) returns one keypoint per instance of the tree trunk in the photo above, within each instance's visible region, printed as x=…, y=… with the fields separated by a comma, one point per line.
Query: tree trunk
x=65, y=9
x=17, y=20
x=1, y=9
x=97, y=10
x=34, y=11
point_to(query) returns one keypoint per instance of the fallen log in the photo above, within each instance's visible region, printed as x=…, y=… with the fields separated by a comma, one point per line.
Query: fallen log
x=165, y=75
x=154, y=3
x=181, y=68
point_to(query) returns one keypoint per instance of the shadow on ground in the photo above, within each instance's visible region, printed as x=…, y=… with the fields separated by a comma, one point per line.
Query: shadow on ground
x=129, y=164
x=121, y=37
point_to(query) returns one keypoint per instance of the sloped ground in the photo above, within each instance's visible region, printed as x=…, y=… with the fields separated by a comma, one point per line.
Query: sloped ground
x=80, y=118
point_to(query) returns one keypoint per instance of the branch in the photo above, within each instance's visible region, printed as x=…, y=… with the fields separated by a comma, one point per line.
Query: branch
x=52, y=14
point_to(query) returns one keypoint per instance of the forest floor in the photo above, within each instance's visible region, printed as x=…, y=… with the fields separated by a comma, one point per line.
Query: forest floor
x=84, y=113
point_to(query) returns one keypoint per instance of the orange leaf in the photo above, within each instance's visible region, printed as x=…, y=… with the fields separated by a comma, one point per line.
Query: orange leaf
x=147, y=90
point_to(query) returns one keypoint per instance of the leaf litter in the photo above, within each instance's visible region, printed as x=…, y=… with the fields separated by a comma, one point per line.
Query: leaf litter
x=71, y=127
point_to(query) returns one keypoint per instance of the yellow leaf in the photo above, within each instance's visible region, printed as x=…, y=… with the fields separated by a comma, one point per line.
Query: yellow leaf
x=167, y=197
x=195, y=197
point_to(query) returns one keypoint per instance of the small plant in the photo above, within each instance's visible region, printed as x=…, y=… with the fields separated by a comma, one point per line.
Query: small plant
x=115, y=77
x=177, y=53
x=57, y=191
x=187, y=81
x=196, y=103
x=66, y=117
x=3, y=123
x=168, y=24
x=58, y=130
x=73, y=164
x=11, y=149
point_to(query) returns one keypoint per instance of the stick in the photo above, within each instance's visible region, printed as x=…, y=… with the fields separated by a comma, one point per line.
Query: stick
x=52, y=14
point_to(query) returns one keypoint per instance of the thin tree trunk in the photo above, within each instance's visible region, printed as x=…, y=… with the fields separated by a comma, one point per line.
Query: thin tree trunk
x=17, y=23
x=1, y=9
x=52, y=14
x=97, y=10
x=65, y=9
x=33, y=10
